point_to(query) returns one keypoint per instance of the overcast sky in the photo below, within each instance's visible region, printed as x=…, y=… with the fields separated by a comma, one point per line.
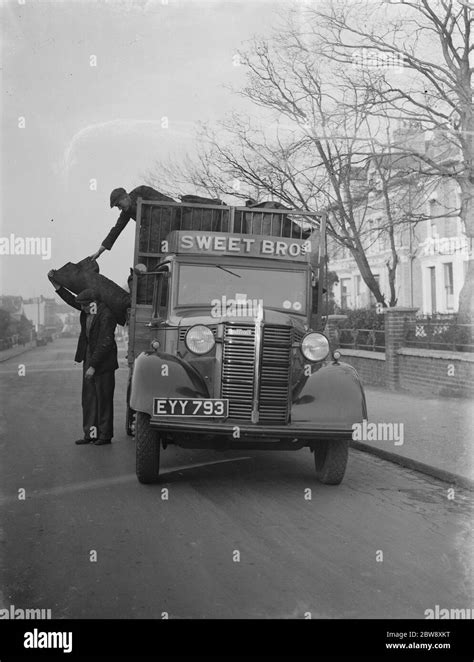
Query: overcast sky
x=154, y=59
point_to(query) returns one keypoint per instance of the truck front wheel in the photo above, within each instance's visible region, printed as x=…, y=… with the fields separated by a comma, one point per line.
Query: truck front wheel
x=129, y=414
x=330, y=460
x=147, y=450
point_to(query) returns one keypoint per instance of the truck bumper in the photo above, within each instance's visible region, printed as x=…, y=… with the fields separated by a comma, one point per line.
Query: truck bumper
x=234, y=433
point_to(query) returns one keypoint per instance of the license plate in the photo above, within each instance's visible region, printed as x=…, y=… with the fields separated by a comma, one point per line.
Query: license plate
x=205, y=407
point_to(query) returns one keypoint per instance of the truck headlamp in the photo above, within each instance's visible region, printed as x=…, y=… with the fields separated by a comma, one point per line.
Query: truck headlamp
x=315, y=346
x=200, y=339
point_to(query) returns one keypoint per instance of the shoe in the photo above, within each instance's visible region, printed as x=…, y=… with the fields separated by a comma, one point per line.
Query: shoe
x=102, y=442
x=83, y=441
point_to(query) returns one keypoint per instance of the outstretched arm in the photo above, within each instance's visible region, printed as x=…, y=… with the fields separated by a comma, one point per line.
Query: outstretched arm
x=122, y=221
x=65, y=294
x=98, y=253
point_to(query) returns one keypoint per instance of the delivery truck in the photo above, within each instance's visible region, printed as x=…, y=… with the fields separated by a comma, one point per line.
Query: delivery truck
x=227, y=348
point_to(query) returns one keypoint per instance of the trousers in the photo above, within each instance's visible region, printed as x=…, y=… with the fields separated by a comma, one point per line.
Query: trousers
x=98, y=405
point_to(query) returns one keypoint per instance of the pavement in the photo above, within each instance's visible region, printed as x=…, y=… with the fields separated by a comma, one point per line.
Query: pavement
x=225, y=535
x=436, y=438
x=6, y=354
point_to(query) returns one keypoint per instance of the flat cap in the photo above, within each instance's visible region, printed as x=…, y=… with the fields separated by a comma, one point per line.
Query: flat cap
x=116, y=194
x=86, y=296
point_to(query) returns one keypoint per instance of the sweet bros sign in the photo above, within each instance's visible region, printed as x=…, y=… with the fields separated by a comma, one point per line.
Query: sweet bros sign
x=216, y=243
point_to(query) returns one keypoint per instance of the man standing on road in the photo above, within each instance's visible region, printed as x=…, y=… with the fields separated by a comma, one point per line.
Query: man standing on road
x=127, y=203
x=97, y=350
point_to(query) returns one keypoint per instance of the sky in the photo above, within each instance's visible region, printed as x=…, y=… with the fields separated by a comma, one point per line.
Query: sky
x=85, y=88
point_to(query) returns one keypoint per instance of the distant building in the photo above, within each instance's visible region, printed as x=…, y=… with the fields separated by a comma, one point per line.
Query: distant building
x=433, y=249
x=12, y=304
x=41, y=311
x=18, y=329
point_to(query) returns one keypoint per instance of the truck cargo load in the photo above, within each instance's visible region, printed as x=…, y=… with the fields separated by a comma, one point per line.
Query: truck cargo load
x=83, y=275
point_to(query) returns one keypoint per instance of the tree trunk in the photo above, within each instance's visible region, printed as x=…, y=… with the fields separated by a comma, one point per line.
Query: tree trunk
x=466, y=296
x=368, y=276
x=392, y=272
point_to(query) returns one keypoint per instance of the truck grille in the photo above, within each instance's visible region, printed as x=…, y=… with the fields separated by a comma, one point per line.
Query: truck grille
x=275, y=374
x=238, y=361
x=238, y=366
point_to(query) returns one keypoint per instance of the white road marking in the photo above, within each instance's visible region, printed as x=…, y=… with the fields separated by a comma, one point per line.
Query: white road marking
x=30, y=370
x=106, y=482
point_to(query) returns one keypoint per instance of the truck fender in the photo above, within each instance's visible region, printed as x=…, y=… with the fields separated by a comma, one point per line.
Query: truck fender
x=332, y=397
x=151, y=380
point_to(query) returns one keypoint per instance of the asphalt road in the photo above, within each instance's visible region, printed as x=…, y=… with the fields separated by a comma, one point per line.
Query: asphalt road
x=387, y=543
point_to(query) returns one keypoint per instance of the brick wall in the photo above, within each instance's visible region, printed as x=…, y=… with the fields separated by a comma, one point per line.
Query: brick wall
x=369, y=365
x=429, y=372
x=421, y=371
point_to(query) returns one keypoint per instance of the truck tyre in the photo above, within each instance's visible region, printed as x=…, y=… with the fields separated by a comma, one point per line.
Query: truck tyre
x=130, y=422
x=147, y=451
x=330, y=460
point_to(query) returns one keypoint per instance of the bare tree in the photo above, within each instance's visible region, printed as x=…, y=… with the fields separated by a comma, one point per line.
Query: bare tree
x=325, y=126
x=431, y=42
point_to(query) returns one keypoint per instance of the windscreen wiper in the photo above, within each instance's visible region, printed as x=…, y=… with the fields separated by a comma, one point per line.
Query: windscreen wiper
x=228, y=271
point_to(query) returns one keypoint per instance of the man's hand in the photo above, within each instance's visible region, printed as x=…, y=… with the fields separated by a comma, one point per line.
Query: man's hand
x=53, y=282
x=97, y=253
x=90, y=373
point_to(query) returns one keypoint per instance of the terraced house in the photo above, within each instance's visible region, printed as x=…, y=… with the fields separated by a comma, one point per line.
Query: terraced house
x=430, y=246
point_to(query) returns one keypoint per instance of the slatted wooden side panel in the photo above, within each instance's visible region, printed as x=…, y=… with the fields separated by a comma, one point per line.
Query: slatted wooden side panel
x=142, y=335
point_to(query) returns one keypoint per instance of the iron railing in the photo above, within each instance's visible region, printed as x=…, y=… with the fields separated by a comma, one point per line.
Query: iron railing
x=372, y=340
x=11, y=341
x=442, y=332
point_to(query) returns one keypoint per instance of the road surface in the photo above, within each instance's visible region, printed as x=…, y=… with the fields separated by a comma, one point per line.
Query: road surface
x=237, y=537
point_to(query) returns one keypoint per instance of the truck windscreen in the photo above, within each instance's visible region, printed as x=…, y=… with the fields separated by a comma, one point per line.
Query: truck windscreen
x=204, y=285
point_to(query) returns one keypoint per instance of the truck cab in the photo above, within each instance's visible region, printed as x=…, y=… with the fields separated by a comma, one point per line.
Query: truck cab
x=226, y=342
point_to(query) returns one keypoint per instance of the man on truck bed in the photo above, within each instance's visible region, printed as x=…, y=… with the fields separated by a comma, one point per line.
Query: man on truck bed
x=127, y=203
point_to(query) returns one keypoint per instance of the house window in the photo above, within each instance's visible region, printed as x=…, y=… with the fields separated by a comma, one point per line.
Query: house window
x=345, y=293
x=372, y=300
x=432, y=273
x=371, y=237
x=448, y=285
x=358, y=291
x=378, y=238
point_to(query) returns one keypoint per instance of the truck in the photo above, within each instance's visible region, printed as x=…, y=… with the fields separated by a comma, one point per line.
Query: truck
x=227, y=344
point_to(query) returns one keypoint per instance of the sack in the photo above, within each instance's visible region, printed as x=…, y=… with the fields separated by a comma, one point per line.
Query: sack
x=262, y=222
x=200, y=219
x=84, y=275
x=199, y=200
